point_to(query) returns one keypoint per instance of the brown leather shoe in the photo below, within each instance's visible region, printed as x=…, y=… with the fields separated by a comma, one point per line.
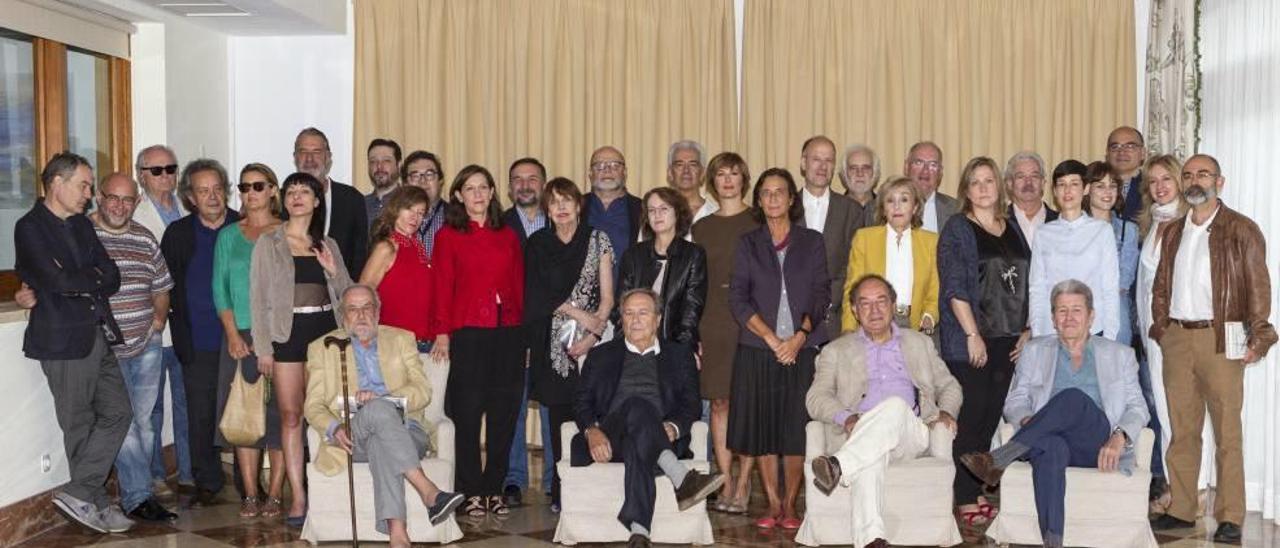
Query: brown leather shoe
x=826, y=473
x=983, y=466
x=638, y=541
x=878, y=543
x=695, y=487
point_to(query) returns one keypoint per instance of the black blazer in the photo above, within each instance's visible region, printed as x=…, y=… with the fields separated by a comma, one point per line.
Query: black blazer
x=71, y=285
x=677, y=384
x=512, y=219
x=178, y=247
x=348, y=225
x=635, y=215
x=684, y=291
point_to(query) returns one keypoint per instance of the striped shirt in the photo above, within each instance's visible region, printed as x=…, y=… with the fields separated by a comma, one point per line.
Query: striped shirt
x=143, y=273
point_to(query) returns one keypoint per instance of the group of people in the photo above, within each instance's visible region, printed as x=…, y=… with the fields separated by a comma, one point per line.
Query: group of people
x=884, y=311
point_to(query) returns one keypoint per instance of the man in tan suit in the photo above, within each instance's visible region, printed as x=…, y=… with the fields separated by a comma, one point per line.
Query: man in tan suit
x=881, y=389
x=385, y=378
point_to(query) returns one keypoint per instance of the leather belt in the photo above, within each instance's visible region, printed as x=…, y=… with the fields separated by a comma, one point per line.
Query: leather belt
x=312, y=309
x=1192, y=324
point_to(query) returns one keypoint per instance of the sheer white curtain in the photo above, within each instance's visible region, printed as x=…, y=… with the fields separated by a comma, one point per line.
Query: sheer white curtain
x=1240, y=125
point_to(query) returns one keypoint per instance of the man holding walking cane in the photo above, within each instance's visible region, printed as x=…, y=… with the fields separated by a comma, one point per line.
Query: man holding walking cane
x=388, y=393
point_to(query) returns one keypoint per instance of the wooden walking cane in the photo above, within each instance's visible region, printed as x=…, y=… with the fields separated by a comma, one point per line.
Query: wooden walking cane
x=346, y=423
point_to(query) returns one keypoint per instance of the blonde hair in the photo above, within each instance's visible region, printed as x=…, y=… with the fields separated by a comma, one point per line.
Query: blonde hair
x=1170, y=163
x=962, y=193
x=895, y=184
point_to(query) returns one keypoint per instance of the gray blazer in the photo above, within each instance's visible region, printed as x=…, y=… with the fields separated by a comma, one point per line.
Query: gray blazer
x=1122, y=399
x=271, y=289
x=946, y=207
x=844, y=217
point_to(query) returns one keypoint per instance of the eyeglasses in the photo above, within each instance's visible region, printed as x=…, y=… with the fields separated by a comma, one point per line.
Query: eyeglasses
x=864, y=169
x=257, y=186
x=607, y=165
x=1127, y=147
x=157, y=170
x=660, y=210
x=1028, y=177
x=927, y=164
x=428, y=175
x=112, y=199
x=1203, y=176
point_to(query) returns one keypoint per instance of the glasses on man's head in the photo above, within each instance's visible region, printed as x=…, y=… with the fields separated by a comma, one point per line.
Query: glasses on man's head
x=1127, y=147
x=1203, y=176
x=927, y=164
x=607, y=165
x=425, y=175
x=257, y=186
x=155, y=171
x=113, y=199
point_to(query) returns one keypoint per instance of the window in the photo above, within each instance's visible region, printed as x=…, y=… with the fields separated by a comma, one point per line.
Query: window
x=18, y=169
x=89, y=109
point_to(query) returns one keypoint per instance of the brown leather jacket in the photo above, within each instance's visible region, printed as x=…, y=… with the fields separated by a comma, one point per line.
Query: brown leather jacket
x=1241, y=284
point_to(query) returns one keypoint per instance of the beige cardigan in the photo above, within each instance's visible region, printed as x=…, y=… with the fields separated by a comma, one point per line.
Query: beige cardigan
x=271, y=289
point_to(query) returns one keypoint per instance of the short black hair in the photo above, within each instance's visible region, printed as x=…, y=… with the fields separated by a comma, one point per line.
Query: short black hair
x=542, y=170
x=421, y=155
x=316, y=228
x=1069, y=167
x=380, y=142
x=63, y=164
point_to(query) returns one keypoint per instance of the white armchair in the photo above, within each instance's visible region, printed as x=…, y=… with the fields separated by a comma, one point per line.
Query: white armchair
x=591, y=497
x=1102, y=509
x=917, y=497
x=329, y=517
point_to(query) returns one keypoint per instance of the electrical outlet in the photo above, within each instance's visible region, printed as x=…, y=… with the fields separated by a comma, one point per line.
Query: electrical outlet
x=46, y=463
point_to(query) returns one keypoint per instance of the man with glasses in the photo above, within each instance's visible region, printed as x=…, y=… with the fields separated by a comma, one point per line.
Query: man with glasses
x=1210, y=306
x=861, y=175
x=610, y=208
x=685, y=170
x=423, y=170
x=836, y=216
x=1126, y=151
x=383, y=158
x=924, y=166
x=1024, y=178
x=345, y=218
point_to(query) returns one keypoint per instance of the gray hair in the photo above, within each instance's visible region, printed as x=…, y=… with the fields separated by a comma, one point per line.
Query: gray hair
x=875, y=163
x=653, y=295
x=198, y=166
x=63, y=164
x=377, y=303
x=684, y=144
x=911, y=151
x=1022, y=156
x=1071, y=287
x=142, y=153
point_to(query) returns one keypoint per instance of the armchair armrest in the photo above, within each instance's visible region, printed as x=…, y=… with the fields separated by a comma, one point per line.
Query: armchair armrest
x=1146, y=440
x=814, y=440
x=940, y=440
x=698, y=440
x=1005, y=433
x=567, y=431
x=446, y=439
x=314, y=442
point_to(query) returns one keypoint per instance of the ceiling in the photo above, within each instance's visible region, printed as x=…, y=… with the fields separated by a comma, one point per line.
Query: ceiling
x=233, y=17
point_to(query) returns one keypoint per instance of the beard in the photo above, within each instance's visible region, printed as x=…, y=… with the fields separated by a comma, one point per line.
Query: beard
x=607, y=184
x=383, y=180
x=1196, y=195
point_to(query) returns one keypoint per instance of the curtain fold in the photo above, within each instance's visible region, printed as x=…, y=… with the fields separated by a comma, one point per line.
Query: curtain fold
x=1240, y=50
x=980, y=77
x=1173, y=79
x=489, y=81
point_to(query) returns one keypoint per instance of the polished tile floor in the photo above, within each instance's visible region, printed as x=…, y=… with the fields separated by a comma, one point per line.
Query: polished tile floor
x=531, y=525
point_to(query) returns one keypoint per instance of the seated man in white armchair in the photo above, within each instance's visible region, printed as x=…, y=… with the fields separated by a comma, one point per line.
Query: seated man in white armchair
x=884, y=387
x=1076, y=402
x=390, y=391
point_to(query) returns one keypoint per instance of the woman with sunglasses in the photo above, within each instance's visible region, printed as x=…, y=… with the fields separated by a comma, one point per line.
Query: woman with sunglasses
x=232, y=255
x=398, y=265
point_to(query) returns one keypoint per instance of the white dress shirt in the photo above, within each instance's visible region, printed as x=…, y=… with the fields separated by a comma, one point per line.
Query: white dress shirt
x=815, y=208
x=898, y=266
x=1029, y=224
x=931, y=213
x=1083, y=249
x=1192, y=292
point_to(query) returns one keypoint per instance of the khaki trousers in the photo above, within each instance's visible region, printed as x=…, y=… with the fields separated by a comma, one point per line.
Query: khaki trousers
x=1197, y=378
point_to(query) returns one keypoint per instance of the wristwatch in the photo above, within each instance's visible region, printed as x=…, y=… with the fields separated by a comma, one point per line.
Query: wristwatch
x=1128, y=443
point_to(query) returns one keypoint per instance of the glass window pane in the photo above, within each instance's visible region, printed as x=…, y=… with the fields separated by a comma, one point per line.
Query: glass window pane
x=89, y=108
x=18, y=172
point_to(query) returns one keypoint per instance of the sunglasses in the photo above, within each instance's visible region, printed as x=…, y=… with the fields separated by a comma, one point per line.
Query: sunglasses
x=157, y=170
x=257, y=186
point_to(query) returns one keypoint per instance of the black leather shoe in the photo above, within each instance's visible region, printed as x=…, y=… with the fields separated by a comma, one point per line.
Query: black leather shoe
x=1167, y=521
x=695, y=487
x=1227, y=533
x=638, y=541
x=204, y=498
x=150, y=510
x=512, y=496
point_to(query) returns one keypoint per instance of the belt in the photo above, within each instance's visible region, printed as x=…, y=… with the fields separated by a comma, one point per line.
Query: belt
x=312, y=309
x=1192, y=324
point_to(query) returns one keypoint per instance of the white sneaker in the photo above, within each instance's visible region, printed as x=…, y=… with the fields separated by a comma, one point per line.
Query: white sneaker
x=113, y=519
x=79, y=511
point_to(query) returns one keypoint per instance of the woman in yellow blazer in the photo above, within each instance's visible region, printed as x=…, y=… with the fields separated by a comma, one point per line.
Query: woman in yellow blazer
x=900, y=209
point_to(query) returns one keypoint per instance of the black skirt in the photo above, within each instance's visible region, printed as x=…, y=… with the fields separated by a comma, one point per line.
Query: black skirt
x=767, y=415
x=307, y=327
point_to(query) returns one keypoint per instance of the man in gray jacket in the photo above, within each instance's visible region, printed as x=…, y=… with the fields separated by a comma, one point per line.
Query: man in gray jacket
x=1076, y=401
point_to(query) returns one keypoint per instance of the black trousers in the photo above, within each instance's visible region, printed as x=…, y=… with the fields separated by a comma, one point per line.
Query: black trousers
x=637, y=437
x=486, y=382
x=200, y=379
x=984, y=391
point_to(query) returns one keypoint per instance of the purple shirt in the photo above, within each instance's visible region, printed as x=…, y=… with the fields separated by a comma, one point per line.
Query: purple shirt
x=886, y=374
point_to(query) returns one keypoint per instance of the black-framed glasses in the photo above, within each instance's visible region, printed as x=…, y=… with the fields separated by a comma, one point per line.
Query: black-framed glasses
x=257, y=186
x=157, y=170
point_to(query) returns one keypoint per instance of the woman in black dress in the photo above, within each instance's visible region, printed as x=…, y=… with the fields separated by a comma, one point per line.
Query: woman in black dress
x=568, y=297
x=984, y=264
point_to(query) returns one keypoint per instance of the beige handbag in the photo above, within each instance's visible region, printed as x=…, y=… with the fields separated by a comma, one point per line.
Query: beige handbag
x=244, y=419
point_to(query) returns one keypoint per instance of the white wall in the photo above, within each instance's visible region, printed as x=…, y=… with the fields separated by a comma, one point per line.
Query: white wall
x=29, y=427
x=196, y=92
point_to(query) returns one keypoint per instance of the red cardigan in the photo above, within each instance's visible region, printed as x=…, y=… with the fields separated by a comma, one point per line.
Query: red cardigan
x=472, y=272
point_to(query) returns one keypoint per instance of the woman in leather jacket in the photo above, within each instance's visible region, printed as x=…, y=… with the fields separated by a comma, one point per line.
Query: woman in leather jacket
x=670, y=265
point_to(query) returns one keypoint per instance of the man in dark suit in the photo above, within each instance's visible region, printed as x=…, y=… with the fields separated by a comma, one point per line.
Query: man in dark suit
x=70, y=332
x=636, y=401
x=345, y=218
x=1126, y=152
x=836, y=216
x=924, y=166
x=610, y=208
x=1024, y=177
x=526, y=175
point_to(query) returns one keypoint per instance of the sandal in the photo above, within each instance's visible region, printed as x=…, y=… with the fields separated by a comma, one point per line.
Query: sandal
x=249, y=507
x=987, y=510
x=270, y=508
x=474, y=507
x=974, y=519
x=497, y=506
x=790, y=524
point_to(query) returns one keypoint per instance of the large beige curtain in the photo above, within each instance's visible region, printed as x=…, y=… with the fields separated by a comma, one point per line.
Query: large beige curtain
x=979, y=77
x=489, y=81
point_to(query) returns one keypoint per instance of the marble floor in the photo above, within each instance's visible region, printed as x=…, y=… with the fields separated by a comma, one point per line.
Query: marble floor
x=531, y=525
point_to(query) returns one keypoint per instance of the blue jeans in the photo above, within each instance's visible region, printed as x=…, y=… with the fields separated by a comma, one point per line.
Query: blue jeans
x=181, y=446
x=518, y=462
x=142, y=380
